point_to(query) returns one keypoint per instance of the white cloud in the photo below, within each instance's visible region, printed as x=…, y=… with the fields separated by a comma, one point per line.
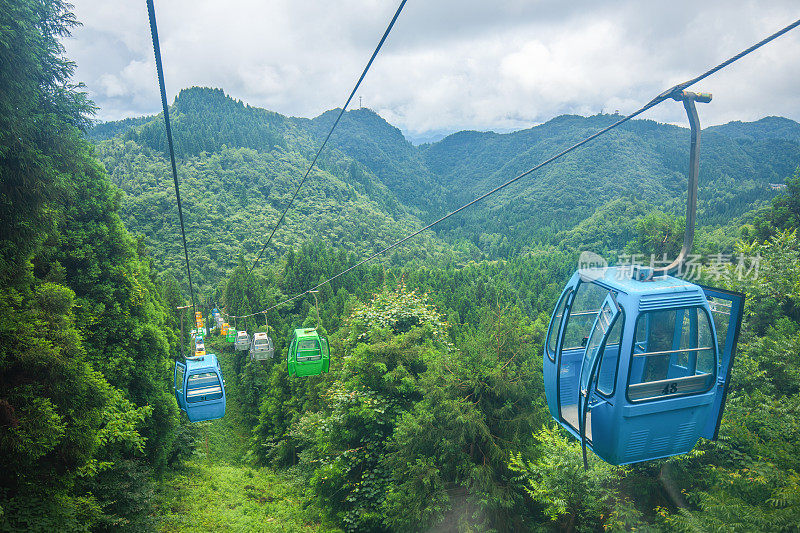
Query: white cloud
x=111, y=86
x=449, y=64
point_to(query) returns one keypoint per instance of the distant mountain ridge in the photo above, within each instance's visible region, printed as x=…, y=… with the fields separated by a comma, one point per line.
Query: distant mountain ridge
x=243, y=160
x=779, y=128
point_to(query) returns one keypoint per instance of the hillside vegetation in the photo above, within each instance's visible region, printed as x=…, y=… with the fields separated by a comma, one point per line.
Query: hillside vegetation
x=239, y=165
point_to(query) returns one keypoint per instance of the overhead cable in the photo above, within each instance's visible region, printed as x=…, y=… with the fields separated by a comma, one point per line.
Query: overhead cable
x=151, y=11
x=333, y=127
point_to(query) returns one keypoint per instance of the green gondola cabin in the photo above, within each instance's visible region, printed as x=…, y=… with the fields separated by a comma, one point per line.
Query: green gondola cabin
x=308, y=354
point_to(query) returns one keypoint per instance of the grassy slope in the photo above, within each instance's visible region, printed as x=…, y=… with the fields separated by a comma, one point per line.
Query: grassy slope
x=218, y=492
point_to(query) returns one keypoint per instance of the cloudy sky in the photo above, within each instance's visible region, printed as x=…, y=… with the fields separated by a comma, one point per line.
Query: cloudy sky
x=448, y=64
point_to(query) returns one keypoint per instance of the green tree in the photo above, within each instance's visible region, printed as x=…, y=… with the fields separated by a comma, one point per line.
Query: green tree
x=83, y=360
x=572, y=498
x=784, y=212
x=481, y=403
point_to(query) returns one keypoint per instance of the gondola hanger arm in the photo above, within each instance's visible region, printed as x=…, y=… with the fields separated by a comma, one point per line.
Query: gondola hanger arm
x=688, y=98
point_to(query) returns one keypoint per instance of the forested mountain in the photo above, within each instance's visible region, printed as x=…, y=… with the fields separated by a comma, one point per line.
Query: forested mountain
x=239, y=167
x=641, y=159
x=106, y=130
x=238, y=164
x=767, y=128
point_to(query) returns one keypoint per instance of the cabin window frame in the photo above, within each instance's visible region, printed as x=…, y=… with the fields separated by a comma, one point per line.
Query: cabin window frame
x=180, y=370
x=316, y=347
x=619, y=321
x=309, y=358
x=202, y=398
x=583, y=312
x=551, y=354
x=714, y=348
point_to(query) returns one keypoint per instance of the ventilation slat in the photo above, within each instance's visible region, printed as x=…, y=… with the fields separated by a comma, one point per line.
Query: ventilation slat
x=661, y=301
x=638, y=441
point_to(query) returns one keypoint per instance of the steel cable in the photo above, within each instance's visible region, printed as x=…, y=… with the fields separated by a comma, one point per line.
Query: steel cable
x=151, y=11
x=322, y=146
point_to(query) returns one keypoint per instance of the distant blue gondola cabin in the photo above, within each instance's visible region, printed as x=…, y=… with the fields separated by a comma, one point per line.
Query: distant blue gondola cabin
x=200, y=388
x=308, y=354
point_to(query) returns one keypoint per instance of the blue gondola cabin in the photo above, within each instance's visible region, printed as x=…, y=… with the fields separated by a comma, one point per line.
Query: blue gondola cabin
x=200, y=388
x=639, y=370
x=308, y=354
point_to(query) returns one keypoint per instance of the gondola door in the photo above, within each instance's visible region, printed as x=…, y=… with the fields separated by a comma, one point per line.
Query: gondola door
x=326, y=354
x=551, y=357
x=580, y=310
x=179, y=377
x=727, y=309
x=588, y=398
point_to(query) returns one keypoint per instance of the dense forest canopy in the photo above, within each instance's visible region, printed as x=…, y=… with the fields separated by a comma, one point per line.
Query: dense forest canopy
x=85, y=418
x=432, y=417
